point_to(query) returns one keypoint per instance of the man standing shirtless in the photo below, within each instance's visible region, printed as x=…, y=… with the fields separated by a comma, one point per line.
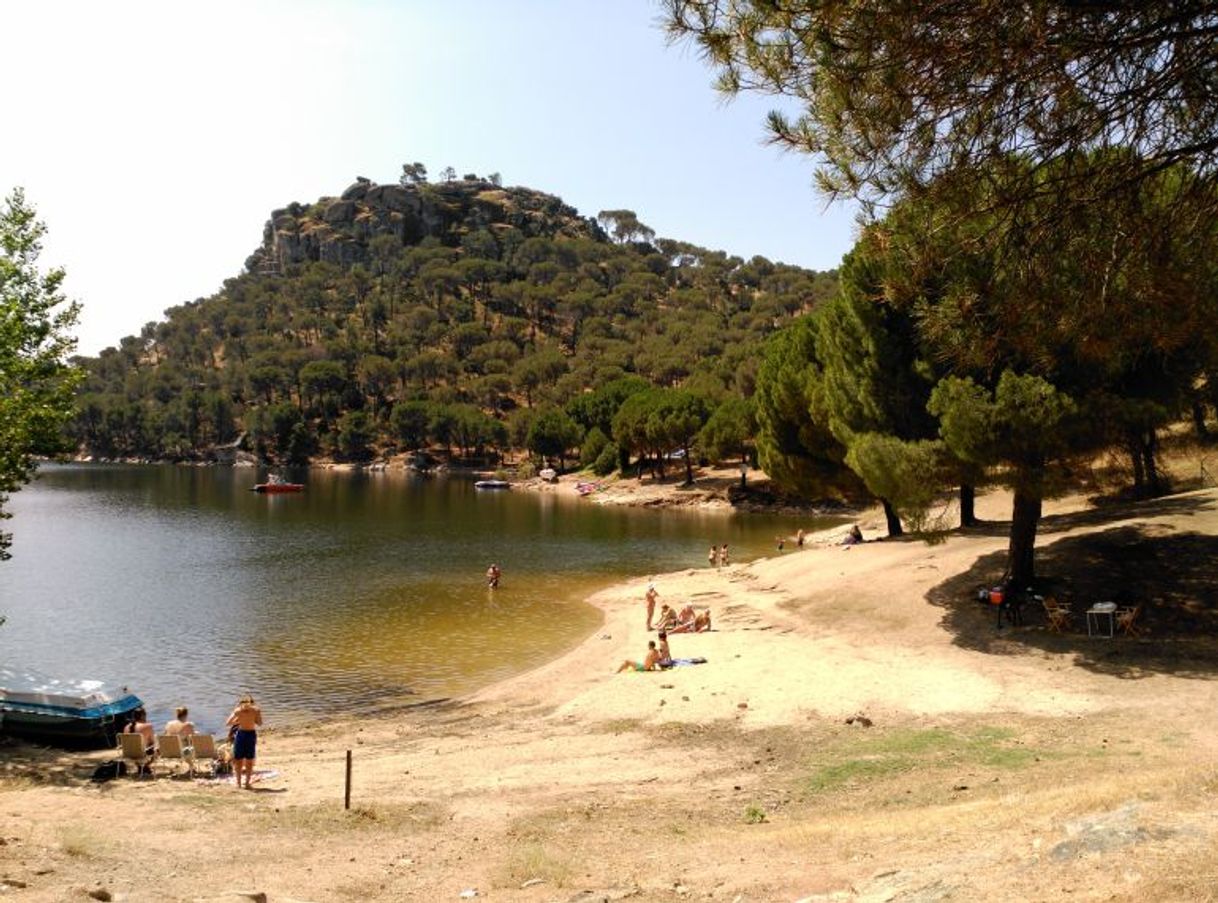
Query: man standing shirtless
x=247, y=718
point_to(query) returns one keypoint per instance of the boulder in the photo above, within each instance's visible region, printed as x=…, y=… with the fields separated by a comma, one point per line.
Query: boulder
x=339, y=212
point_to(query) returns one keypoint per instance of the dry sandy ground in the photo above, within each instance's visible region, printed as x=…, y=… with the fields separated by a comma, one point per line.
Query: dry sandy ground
x=997, y=765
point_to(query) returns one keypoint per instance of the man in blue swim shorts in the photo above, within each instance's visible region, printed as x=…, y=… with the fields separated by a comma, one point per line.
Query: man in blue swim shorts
x=246, y=718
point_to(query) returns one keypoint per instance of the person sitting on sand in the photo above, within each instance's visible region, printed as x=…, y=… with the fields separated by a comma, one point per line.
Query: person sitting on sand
x=685, y=619
x=650, y=663
x=665, y=659
x=854, y=537
x=180, y=726
x=668, y=618
x=695, y=623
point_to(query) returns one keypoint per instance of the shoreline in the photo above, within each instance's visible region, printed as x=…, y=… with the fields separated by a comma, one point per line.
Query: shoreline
x=858, y=725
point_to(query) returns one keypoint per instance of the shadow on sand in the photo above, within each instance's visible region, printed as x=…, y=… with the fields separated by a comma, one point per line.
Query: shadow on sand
x=1171, y=573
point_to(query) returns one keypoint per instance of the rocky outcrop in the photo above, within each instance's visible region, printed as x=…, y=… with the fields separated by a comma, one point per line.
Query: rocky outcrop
x=341, y=230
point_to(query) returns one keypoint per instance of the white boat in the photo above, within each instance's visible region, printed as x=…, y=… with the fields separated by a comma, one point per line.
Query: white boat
x=63, y=712
x=549, y=474
x=492, y=484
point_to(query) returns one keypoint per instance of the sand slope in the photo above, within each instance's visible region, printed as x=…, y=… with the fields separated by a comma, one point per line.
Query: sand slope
x=1007, y=764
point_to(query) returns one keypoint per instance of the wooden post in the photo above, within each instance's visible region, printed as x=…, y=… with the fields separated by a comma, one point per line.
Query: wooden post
x=347, y=790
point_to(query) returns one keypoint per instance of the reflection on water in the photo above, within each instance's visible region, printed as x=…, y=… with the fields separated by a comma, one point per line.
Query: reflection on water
x=365, y=589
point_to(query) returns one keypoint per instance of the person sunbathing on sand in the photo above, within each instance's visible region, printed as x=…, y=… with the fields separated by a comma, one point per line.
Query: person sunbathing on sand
x=647, y=664
x=668, y=618
x=692, y=623
x=685, y=619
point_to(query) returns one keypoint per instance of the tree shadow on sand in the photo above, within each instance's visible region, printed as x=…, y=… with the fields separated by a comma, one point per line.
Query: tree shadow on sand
x=36, y=764
x=1188, y=504
x=1171, y=573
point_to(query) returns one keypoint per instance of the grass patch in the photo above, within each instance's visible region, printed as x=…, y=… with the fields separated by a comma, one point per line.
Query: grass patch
x=530, y=861
x=81, y=842
x=201, y=800
x=331, y=818
x=754, y=815
x=897, y=752
x=618, y=725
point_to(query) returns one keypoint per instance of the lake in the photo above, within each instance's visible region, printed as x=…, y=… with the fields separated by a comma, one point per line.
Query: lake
x=363, y=591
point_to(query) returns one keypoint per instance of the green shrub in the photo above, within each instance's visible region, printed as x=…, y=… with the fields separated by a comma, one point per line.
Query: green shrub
x=594, y=443
x=606, y=461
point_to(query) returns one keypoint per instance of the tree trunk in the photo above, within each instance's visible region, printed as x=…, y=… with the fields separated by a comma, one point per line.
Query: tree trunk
x=1139, y=474
x=1150, y=452
x=1021, y=560
x=689, y=468
x=968, y=511
x=894, y=522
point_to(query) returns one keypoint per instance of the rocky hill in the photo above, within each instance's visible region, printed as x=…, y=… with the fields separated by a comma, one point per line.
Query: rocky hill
x=341, y=230
x=453, y=315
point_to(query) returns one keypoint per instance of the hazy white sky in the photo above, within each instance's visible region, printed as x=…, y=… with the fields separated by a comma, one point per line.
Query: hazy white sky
x=154, y=138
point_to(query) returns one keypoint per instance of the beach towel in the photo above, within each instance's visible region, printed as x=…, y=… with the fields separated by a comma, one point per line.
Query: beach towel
x=681, y=662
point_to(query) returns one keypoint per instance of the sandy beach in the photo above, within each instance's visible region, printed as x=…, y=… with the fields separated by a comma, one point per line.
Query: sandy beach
x=987, y=764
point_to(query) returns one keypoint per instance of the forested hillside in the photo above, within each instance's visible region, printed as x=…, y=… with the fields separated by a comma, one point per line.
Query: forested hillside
x=457, y=315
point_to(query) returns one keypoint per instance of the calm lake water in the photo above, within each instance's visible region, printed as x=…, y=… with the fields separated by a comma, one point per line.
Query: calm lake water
x=364, y=590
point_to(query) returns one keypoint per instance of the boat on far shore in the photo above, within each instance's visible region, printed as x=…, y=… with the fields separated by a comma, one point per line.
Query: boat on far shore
x=492, y=484
x=278, y=484
x=73, y=713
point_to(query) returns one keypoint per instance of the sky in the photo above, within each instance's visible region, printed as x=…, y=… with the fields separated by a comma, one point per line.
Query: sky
x=155, y=138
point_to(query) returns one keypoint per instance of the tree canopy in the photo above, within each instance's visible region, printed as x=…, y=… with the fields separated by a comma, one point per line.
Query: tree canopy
x=893, y=98
x=36, y=381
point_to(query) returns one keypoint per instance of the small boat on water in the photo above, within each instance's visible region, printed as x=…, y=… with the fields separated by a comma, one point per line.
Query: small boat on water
x=492, y=484
x=77, y=713
x=278, y=484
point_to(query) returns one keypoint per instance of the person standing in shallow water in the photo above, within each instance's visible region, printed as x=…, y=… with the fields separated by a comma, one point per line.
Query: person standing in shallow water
x=492, y=576
x=246, y=718
x=651, y=598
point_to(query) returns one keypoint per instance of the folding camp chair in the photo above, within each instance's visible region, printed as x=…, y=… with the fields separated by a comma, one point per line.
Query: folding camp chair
x=205, y=751
x=176, y=748
x=1057, y=614
x=1127, y=620
x=131, y=748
